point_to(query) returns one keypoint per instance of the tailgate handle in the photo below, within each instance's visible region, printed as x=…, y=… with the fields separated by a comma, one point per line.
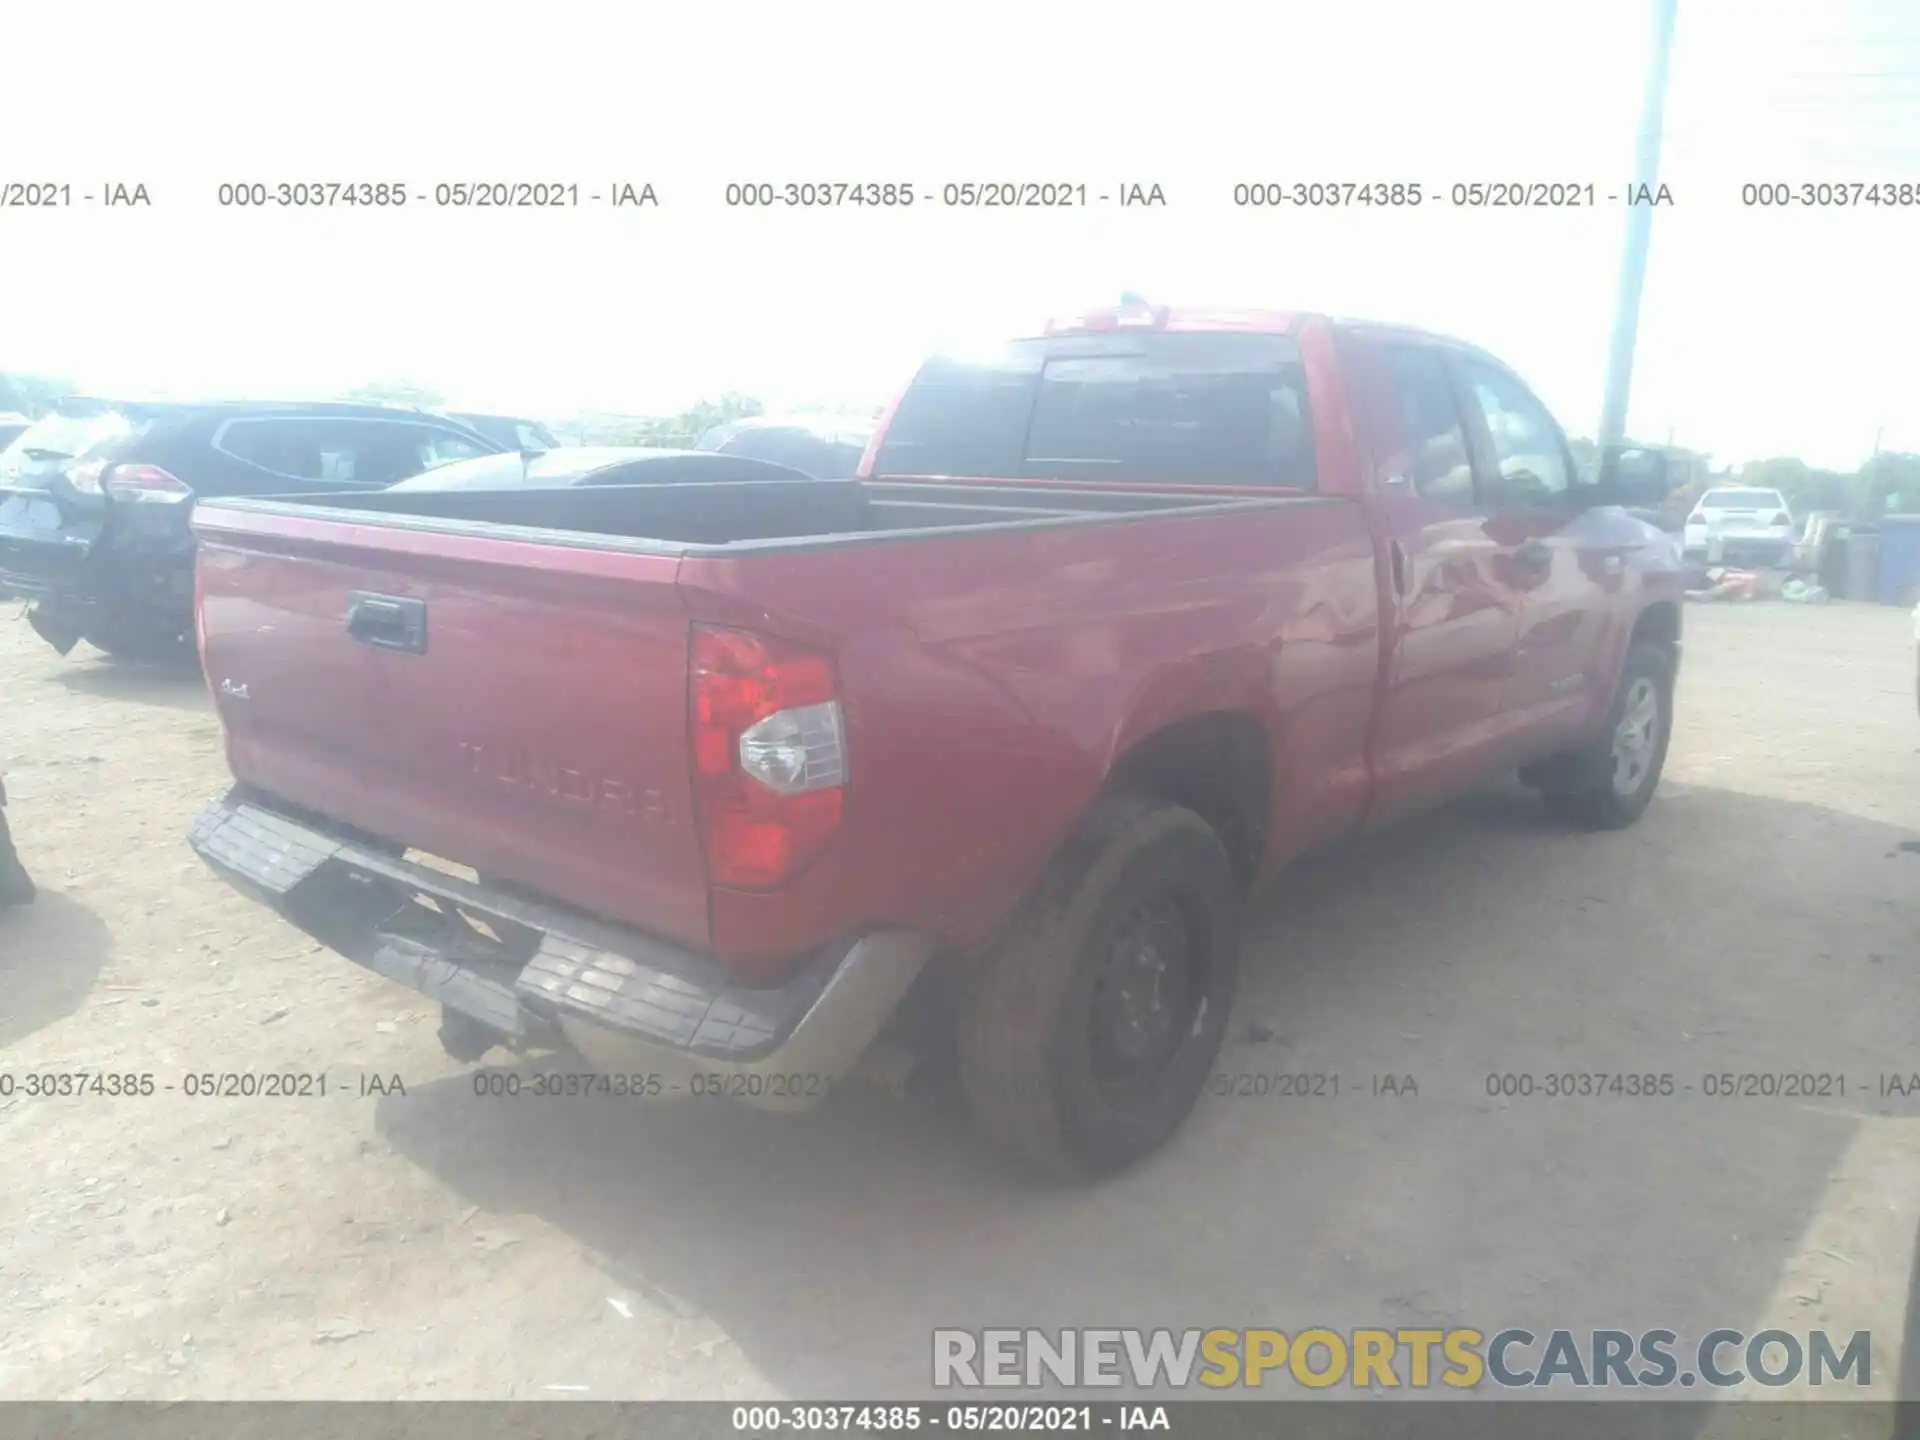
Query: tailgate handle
x=393, y=622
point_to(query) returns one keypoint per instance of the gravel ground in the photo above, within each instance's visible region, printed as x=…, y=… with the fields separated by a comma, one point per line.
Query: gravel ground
x=403, y=1237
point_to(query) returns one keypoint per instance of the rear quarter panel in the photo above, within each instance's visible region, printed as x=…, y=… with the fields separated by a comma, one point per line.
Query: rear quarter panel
x=990, y=682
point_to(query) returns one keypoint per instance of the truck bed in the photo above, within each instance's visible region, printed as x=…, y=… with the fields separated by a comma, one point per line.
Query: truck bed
x=747, y=515
x=521, y=706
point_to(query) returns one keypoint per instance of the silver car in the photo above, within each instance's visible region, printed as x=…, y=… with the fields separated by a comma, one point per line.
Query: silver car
x=1745, y=524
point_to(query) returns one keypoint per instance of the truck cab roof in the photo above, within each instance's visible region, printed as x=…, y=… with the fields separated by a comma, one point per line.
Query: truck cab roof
x=1257, y=321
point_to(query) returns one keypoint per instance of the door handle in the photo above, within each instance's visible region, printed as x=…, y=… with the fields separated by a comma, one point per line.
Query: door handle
x=393, y=622
x=1534, y=556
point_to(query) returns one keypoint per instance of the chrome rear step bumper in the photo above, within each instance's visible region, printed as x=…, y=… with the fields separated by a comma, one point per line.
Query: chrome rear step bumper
x=538, y=973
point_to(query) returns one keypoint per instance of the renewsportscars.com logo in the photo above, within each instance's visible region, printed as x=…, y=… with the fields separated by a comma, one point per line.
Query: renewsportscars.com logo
x=1459, y=1359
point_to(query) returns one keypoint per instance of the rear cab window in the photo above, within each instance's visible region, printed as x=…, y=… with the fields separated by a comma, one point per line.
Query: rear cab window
x=1176, y=408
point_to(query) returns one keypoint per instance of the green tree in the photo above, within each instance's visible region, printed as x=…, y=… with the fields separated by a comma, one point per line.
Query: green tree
x=682, y=431
x=1806, y=487
x=696, y=419
x=1888, y=484
x=29, y=394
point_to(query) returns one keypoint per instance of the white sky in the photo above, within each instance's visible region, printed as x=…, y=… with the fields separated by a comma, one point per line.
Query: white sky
x=1763, y=331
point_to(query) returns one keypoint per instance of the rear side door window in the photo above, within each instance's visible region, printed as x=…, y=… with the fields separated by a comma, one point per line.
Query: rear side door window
x=1532, y=467
x=1436, y=455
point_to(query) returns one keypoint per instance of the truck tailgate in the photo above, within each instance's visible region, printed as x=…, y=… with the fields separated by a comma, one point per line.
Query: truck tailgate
x=466, y=696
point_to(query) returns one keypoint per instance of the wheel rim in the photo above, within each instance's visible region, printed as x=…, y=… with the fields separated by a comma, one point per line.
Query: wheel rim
x=1148, y=992
x=1636, y=737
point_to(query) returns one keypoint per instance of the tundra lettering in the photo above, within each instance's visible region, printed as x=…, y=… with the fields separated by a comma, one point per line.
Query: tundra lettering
x=541, y=775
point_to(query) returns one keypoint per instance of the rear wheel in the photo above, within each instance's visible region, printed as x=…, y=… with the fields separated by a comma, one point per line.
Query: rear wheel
x=1609, y=784
x=1086, y=1037
x=16, y=886
x=464, y=1038
x=146, y=646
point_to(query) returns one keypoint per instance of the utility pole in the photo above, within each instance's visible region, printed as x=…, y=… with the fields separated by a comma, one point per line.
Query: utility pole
x=1633, y=262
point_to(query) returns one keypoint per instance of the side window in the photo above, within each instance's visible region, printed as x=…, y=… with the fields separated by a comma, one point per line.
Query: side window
x=443, y=447
x=297, y=448
x=1435, y=457
x=344, y=449
x=1193, y=409
x=1527, y=445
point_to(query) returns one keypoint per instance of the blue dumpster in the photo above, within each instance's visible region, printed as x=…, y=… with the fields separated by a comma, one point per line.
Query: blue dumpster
x=1899, y=579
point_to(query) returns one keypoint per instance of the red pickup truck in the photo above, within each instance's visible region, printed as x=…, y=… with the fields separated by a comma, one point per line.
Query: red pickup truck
x=716, y=782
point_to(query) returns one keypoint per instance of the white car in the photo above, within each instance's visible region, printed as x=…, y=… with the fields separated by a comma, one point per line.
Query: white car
x=1752, y=526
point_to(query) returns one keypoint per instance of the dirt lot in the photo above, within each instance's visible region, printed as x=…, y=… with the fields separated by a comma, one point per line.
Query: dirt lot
x=437, y=1244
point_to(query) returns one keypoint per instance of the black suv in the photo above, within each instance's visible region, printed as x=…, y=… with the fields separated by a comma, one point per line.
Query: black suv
x=95, y=498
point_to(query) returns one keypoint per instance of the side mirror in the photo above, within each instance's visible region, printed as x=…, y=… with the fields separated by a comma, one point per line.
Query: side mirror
x=1635, y=478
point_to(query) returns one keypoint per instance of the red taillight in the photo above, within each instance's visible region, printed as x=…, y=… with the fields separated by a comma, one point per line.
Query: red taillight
x=769, y=756
x=144, y=482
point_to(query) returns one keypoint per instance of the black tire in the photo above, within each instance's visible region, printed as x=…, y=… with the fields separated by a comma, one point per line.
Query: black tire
x=464, y=1038
x=16, y=886
x=1583, y=788
x=144, y=647
x=1041, y=1015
